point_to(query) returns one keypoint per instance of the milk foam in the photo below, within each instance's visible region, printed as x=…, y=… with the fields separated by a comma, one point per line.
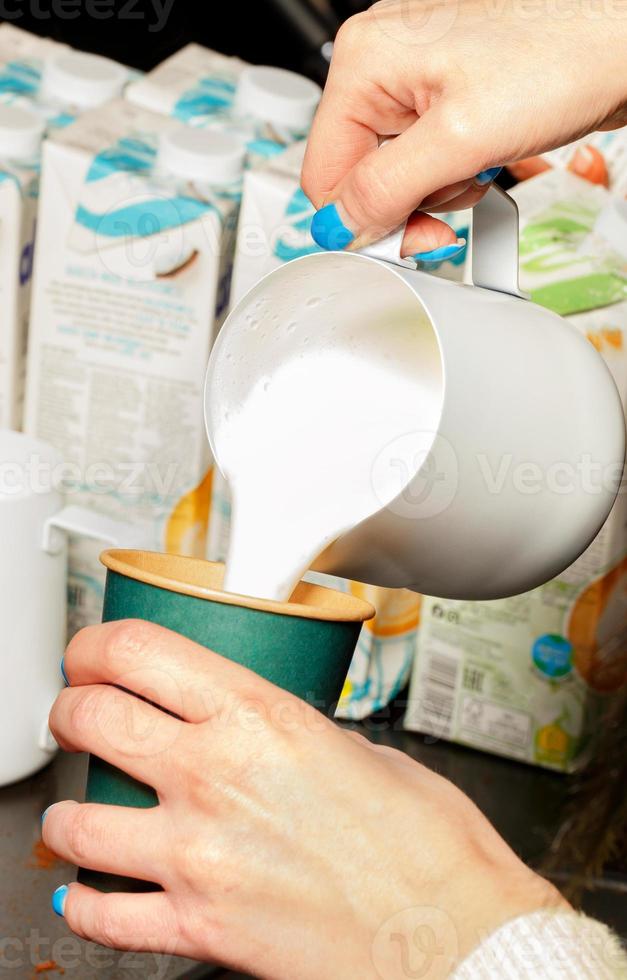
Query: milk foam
x=299, y=449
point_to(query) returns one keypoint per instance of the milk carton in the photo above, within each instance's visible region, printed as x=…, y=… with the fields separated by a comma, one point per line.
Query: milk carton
x=53, y=80
x=20, y=137
x=49, y=84
x=194, y=85
x=267, y=108
x=22, y=59
x=530, y=677
x=136, y=224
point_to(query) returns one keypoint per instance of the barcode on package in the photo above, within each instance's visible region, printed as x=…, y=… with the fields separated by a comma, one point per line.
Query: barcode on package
x=436, y=694
x=473, y=679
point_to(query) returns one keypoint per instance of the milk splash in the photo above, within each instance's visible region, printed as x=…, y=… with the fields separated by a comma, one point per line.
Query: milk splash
x=319, y=394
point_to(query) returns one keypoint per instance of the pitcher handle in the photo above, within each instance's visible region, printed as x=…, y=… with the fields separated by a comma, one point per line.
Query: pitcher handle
x=494, y=255
x=494, y=244
x=86, y=523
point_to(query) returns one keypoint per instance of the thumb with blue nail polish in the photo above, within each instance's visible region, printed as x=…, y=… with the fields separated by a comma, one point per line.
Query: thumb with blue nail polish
x=59, y=898
x=329, y=231
x=384, y=187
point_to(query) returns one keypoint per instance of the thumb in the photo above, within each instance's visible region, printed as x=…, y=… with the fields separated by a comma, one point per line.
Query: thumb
x=387, y=184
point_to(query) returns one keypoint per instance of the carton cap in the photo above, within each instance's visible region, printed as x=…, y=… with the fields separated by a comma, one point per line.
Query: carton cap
x=201, y=154
x=277, y=96
x=21, y=133
x=84, y=80
x=611, y=225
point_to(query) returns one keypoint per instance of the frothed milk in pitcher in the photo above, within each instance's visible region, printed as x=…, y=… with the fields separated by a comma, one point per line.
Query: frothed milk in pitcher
x=301, y=470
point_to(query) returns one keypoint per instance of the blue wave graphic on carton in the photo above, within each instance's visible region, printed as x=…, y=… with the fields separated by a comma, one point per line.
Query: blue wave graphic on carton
x=20, y=83
x=297, y=241
x=129, y=154
x=115, y=176
x=19, y=78
x=212, y=98
x=209, y=97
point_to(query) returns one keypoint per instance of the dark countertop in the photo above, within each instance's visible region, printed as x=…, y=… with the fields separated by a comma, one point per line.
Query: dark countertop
x=526, y=805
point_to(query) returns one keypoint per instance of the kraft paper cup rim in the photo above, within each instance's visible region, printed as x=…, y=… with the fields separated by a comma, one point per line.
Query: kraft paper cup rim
x=203, y=580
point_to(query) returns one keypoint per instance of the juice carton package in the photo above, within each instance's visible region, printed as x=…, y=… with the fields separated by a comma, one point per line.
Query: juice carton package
x=194, y=85
x=22, y=59
x=600, y=158
x=136, y=228
x=274, y=228
x=20, y=138
x=43, y=85
x=52, y=79
x=267, y=108
x=529, y=677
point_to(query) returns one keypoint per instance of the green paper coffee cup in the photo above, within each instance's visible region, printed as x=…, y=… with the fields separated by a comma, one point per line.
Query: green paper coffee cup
x=304, y=646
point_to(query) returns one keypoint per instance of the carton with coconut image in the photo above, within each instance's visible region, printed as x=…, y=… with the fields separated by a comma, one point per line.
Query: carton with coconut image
x=136, y=229
x=530, y=677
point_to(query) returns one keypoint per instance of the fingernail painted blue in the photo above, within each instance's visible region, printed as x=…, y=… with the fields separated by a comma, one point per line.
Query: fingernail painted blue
x=328, y=230
x=63, y=674
x=440, y=254
x=43, y=816
x=58, y=899
x=487, y=175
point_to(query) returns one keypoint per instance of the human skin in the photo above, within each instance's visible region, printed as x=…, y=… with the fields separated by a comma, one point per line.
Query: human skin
x=465, y=86
x=285, y=845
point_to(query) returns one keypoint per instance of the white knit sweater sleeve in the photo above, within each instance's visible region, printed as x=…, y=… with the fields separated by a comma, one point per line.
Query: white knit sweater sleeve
x=547, y=945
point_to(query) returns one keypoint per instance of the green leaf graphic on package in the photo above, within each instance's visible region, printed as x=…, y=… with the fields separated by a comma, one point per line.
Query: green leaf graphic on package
x=565, y=265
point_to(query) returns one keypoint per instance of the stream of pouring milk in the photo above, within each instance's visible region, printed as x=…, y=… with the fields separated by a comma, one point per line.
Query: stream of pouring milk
x=298, y=453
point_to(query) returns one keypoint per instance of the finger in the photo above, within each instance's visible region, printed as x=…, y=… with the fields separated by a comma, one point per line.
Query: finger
x=425, y=234
x=352, y=115
x=161, y=666
x=146, y=922
x=466, y=200
x=388, y=183
x=119, y=840
x=118, y=727
x=445, y=194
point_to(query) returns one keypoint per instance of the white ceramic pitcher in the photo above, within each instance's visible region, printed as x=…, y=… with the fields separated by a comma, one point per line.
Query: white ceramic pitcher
x=527, y=458
x=33, y=580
